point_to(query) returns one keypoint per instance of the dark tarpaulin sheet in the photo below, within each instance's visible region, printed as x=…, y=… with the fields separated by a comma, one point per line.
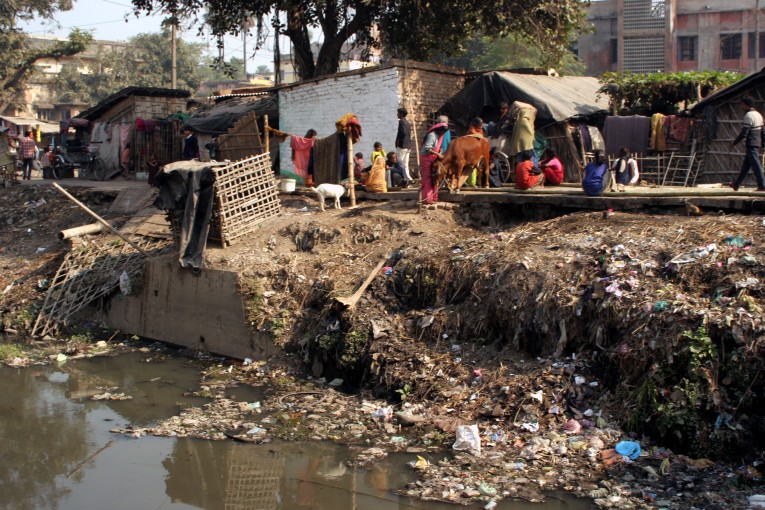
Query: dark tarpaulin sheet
x=219, y=118
x=556, y=98
x=186, y=191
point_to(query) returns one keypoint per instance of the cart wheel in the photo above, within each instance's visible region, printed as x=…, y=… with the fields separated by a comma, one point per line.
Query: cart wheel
x=502, y=164
x=56, y=171
x=98, y=169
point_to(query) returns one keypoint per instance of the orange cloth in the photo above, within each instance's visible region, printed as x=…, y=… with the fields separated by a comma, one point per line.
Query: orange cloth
x=524, y=179
x=375, y=178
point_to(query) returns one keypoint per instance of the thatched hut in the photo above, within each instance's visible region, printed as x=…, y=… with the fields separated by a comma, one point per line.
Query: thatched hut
x=720, y=117
x=562, y=102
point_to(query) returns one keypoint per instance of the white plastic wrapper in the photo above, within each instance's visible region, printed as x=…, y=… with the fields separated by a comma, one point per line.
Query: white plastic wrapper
x=468, y=439
x=125, y=286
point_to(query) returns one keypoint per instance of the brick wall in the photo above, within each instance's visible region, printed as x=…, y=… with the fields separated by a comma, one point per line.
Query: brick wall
x=150, y=107
x=423, y=92
x=374, y=96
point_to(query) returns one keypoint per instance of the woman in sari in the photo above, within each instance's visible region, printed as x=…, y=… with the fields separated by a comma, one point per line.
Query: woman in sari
x=375, y=178
x=431, y=152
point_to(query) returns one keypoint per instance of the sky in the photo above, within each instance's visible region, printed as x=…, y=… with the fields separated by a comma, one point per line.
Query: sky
x=105, y=19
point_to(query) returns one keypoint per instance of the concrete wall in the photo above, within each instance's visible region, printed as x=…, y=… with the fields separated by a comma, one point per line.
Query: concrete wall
x=705, y=19
x=206, y=311
x=373, y=95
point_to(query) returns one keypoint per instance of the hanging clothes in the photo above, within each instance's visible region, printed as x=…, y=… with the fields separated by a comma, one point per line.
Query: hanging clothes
x=523, y=133
x=598, y=144
x=326, y=160
x=658, y=139
x=631, y=131
x=301, y=153
x=678, y=128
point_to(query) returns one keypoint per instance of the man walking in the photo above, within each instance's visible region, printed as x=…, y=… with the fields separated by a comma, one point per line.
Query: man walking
x=404, y=141
x=751, y=131
x=27, y=150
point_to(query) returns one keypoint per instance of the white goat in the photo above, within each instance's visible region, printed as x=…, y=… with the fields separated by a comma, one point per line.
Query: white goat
x=325, y=191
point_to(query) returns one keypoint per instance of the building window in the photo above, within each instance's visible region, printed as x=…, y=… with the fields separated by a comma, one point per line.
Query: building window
x=750, y=44
x=686, y=48
x=730, y=46
x=614, y=51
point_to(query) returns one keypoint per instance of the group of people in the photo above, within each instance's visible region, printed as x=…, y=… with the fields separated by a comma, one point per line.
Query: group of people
x=385, y=172
x=599, y=178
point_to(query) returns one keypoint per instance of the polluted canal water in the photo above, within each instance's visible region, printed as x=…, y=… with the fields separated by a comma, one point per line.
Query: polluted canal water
x=59, y=453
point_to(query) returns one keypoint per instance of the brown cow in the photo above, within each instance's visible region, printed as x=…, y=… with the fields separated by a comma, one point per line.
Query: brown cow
x=463, y=155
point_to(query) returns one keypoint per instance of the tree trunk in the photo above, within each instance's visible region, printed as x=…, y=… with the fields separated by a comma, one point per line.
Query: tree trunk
x=328, y=60
x=301, y=42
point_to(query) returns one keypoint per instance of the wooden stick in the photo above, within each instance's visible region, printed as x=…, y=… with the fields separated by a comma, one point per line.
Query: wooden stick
x=267, y=135
x=351, y=178
x=350, y=302
x=100, y=219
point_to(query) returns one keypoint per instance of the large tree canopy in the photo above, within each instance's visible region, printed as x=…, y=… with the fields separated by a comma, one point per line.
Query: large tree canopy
x=145, y=61
x=18, y=57
x=417, y=29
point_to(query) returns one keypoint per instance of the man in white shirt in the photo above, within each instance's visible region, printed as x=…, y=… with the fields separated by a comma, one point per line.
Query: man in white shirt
x=751, y=131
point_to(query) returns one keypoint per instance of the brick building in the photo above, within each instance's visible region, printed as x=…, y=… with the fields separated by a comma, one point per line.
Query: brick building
x=373, y=94
x=673, y=35
x=113, y=126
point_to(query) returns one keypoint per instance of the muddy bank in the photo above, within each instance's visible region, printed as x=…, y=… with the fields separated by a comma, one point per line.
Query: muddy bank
x=558, y=339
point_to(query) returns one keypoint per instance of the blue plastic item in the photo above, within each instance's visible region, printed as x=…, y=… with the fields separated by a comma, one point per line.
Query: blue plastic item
x=629, y=449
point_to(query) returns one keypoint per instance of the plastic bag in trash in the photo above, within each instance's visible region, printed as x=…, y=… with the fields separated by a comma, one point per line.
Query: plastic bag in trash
x=629, y=449
x=468, y=439
x=125, y=286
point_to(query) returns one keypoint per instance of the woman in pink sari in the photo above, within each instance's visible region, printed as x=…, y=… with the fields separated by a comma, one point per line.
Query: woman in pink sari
x=431, y=152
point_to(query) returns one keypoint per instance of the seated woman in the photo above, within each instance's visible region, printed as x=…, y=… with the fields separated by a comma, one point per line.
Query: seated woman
x=527, y=175
x=396, y=176
x=596, y=176
x=625, y=170
x=374, y=180
x=551, y=167
x=358, y=166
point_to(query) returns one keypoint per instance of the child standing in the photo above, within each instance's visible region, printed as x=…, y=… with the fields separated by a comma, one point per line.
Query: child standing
x=153, y=168
x=379, y=151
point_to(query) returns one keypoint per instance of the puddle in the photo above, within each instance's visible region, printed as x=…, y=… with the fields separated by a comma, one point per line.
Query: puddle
x=58, y=452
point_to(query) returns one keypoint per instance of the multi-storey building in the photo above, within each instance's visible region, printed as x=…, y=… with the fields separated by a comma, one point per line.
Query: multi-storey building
x=674, y=35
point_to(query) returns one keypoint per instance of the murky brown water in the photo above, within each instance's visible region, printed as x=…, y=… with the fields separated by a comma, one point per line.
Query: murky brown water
x=58, y=452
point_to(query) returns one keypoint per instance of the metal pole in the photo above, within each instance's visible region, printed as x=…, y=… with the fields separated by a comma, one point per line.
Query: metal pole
x=277, y=57
x=757, y=35
x=100, y=219
x=351, y=179
x=244, y=47
x=173, y=55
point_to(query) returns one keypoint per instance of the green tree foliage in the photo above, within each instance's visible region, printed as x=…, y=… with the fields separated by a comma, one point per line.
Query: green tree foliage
x=262, y=69
x=18, y=56
x=510, y=52
x=406, y=28
x=214, y=70
x=145, y=61
x=646, y=94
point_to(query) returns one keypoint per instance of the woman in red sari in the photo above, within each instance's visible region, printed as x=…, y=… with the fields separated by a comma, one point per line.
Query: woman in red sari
x=431, y=152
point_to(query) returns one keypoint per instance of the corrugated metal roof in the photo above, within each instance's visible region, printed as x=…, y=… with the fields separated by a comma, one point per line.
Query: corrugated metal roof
x=45, y=127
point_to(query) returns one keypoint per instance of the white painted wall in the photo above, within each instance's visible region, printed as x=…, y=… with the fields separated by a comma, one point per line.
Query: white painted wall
x=373, y=97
